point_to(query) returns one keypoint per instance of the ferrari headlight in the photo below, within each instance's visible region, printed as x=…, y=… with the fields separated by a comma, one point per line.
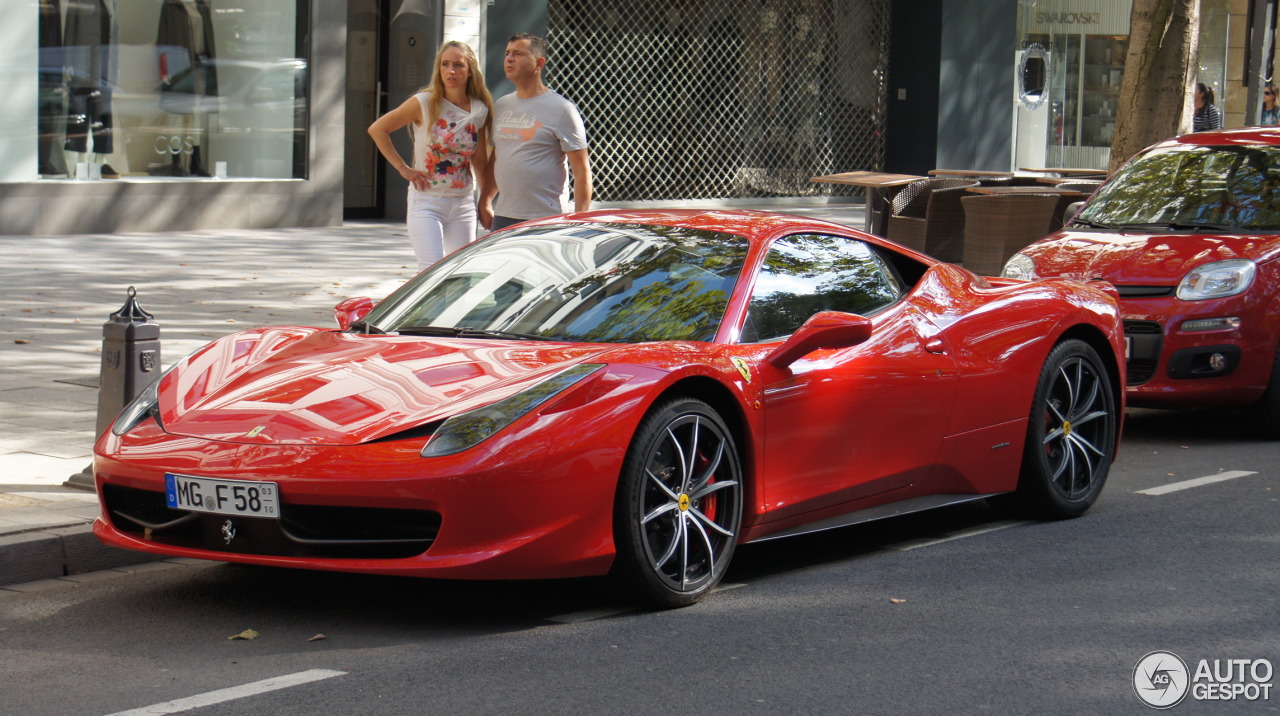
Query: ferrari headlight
x=466, y=430
x=1020, y=267
x=1217, y=280
x=146, y=403
x=138, y=409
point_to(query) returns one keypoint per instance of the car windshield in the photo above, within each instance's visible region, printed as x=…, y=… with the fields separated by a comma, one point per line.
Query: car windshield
x=1193, y=187
x=606, y=283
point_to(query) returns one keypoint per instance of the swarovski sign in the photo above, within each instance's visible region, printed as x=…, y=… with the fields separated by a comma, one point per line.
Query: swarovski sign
x=1050, y=17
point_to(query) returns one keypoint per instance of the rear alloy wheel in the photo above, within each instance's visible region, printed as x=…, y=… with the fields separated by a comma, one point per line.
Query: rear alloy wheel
x=679, y=505
x=1071, y=436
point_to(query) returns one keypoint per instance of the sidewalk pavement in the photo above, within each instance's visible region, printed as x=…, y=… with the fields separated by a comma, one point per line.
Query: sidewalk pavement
x=199, y=286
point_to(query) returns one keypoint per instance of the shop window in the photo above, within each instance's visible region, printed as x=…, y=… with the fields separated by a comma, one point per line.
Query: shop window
x=162, y=89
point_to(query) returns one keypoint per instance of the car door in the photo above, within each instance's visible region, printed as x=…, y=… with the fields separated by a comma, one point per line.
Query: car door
x=845, y=424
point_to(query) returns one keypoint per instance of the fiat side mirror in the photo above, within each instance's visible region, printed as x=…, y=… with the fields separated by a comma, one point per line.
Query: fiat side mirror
x=351, y=310
x=828, y=329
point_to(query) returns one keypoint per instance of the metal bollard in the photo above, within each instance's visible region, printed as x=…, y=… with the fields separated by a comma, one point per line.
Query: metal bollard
x=130, y=363
x=130, y=358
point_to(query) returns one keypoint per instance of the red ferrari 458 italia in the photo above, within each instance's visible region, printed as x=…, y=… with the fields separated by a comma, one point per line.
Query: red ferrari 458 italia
x=625, y=393
x=1189, y=233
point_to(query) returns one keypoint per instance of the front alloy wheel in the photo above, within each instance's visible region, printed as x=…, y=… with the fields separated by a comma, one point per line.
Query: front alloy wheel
x=1071, y=435
x=679, y=505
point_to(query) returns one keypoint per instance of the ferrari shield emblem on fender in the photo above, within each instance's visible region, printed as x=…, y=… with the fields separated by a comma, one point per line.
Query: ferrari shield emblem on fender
x=743, y=367
x=255, y=432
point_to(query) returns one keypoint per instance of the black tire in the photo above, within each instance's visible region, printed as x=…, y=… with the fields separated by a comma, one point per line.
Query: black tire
x=1071, y=436
x=1265, y=414
x=678, y=508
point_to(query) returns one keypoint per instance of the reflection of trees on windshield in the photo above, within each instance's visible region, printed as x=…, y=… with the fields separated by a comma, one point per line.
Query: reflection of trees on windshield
x=675, y=290
x=1233, y=186
x=574, y=282
x=803, y=275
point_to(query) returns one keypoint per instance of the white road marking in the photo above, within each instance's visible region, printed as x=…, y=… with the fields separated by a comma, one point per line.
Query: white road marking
x=235, y=692
x=972, y=532
x=1197, y=482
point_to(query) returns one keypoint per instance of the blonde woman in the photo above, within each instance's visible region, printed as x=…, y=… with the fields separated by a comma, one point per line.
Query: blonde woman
x=449, y=123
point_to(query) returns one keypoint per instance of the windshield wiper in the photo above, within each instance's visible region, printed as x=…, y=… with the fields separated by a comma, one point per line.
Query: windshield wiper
x=492, y=333
x=1177, y=226
x=366, y=327
x=464, y=332
x=427, y=331
x=1091, y=224
x=1204, y=227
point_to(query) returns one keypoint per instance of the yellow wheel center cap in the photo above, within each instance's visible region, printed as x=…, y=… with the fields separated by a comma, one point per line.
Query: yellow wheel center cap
x=1066, y=428
x=683, y=502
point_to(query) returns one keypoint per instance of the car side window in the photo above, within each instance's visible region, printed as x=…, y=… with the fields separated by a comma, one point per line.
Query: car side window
x=808, y=273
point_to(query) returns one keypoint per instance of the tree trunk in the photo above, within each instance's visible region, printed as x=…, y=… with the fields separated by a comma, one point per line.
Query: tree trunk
x=1157, y=94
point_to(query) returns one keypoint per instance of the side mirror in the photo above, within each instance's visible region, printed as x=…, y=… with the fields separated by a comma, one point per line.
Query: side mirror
x=828, y=329
x=351, y=310
x=1070, y=212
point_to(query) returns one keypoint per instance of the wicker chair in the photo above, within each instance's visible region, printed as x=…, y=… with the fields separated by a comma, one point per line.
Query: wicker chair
x=998, y=225
x=927, y=216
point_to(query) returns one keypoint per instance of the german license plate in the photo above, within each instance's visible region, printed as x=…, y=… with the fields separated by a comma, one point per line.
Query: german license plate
x=223, y=497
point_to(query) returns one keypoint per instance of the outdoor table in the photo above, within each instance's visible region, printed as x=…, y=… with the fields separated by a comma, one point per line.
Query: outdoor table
x=1025, y=190
x=974, y=173
x=873, y=182
x=1077, y=172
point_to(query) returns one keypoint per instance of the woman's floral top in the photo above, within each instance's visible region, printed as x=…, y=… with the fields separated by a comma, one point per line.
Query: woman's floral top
x=445, y=151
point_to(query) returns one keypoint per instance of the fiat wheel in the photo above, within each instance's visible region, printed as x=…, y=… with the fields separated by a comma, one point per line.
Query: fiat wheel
x=1071, y=436
x=679, y=505
x=1265, y=414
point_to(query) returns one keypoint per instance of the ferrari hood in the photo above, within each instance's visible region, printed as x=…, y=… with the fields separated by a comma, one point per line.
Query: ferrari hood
x=295, y=385
x=1133, y=259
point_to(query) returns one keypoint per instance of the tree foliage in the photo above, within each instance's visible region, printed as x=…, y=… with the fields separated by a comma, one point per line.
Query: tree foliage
x=1155, y=96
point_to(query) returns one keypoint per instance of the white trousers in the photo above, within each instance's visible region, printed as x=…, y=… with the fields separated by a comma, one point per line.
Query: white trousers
x=439, y=225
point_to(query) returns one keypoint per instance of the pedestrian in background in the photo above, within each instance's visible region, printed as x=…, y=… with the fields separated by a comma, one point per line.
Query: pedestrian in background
x=535, y=131
x=1270, y=110
x=449, y=123
x=1207, y=115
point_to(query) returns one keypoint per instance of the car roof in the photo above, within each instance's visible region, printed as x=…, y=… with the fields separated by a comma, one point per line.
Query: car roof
x=748, y=223
x=1222, y=137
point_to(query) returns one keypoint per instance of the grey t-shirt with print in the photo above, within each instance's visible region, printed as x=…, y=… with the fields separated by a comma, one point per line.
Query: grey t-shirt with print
x=530, y=138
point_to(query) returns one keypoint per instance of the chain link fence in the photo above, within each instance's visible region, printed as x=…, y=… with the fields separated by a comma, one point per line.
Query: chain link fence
x=715, y=99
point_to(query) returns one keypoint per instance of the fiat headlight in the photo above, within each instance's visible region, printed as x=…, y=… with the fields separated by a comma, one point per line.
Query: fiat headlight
x=1217, y=280
x=466, y=430
x=1020, y=267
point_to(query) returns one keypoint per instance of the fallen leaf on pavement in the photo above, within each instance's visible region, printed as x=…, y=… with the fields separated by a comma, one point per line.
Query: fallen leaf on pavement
x=898, y=601
x=246, y=634
x=318, y=637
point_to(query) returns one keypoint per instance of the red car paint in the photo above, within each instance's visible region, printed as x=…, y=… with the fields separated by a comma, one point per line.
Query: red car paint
x=1140, y=262
x=935, y=402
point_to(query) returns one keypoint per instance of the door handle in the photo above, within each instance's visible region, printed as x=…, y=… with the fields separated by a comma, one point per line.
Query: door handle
x=935, y=345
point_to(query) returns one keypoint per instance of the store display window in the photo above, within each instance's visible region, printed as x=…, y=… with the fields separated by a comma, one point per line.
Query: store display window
x=164, y=89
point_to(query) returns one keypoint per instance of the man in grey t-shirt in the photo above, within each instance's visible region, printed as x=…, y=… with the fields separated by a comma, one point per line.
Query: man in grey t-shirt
x=534, y=131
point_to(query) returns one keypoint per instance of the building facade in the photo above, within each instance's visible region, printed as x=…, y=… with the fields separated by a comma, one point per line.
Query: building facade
x=171, y=115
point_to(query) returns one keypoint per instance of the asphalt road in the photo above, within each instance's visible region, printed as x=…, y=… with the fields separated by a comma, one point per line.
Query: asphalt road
x=959, y=611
